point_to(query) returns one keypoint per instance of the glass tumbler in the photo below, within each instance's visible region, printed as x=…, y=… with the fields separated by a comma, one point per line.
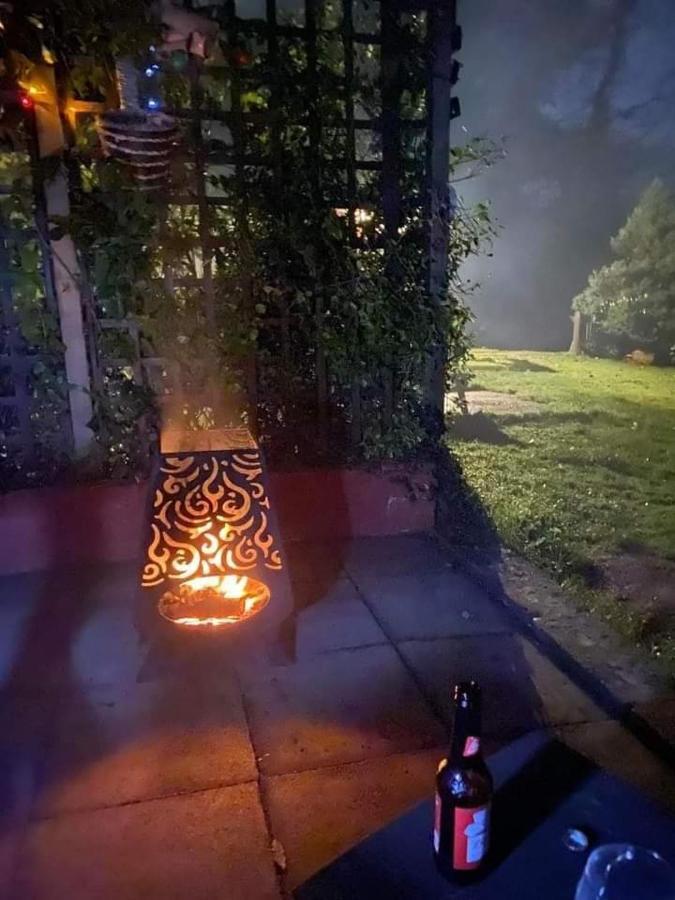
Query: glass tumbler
x=626, y=872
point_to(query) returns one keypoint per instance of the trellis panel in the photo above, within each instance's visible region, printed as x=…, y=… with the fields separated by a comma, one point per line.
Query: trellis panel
x=387, y=127
x=367, y=180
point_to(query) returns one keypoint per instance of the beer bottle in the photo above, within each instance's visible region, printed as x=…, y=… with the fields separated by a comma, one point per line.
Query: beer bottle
x=463, y=793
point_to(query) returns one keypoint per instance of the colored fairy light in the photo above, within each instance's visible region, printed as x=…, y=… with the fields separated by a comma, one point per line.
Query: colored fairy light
x=149, y=72
x=153, y=103
x=28, y=94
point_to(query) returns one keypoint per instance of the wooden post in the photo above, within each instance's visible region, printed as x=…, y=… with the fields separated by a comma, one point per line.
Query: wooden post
x=391, y=119
x=51, y=143
x=392, y=163
x=315, y=175
x=205, y=240
x=350, y=162
x=440, y=25
x=239, y=135
x=577, y=345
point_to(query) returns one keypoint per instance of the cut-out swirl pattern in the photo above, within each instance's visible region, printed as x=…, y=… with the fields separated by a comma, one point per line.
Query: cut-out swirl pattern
x=210, y=516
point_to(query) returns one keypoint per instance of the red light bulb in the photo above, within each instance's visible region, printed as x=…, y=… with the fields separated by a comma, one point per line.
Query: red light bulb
x=26, y=101
x=240, y=57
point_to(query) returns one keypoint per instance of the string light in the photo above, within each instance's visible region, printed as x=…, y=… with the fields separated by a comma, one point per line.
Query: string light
x=152, y=103
x=28, y=94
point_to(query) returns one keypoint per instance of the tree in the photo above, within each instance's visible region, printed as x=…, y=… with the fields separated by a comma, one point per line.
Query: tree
x=632, y=299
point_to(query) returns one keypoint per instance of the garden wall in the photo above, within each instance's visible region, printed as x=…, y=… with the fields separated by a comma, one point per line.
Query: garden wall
x=46, y=528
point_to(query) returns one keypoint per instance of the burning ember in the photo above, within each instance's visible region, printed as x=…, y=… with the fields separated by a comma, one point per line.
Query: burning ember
x=214, y=600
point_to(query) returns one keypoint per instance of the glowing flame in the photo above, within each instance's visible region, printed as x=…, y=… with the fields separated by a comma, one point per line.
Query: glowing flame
x=214, y=600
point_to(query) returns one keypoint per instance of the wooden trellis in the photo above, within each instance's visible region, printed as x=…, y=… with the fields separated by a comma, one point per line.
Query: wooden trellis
x=386, y=129
x=371, y=164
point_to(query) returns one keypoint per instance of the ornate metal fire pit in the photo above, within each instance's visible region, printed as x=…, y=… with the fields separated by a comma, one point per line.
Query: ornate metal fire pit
x=213, y=560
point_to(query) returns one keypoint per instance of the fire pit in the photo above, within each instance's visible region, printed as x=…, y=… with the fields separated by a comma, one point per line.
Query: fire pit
x=213, y=561
x=214, y=600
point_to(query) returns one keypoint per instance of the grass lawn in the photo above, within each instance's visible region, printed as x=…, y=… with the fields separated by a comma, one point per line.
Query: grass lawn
x=589, y=474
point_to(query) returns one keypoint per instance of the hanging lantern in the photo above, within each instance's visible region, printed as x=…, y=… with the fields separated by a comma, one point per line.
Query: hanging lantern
x=143, y=141
x=213, y=560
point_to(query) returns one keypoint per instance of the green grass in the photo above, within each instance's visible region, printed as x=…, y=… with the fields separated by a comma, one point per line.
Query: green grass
x=591, y=473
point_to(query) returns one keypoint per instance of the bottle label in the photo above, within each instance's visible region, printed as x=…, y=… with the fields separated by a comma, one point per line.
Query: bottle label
x=471, y=746
x=437, y=823
x=472, y=832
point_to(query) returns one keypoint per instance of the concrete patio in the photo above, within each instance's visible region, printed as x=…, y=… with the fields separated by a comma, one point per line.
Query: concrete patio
x=242, y=786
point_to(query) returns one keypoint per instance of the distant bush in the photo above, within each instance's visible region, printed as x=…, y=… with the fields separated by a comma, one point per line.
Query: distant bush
x=630, y=302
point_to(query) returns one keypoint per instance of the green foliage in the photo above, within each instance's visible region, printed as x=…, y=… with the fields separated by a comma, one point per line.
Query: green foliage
x=82, y=36
x=354, y=303
x=316, y=295
x=115, y=226
x=634, y=296
x=41, y=344
x=584, y=476
x=112, y=233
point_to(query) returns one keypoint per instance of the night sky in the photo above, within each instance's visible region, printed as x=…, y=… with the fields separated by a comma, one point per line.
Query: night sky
x=583, y=93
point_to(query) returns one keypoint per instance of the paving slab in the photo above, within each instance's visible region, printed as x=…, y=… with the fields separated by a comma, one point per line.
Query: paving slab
x=334, y=618
x=20, y=764
x=612, y=747
x=319, y=814
x=150, y=790
x=661, y=716
x=315, y=562
x=201, y=846
x=339, y=707
x=25, y=722
x=107, y=651
x=153, y=740
x=431, y=605
x=562, y=701
x=401, y=554
x=68, y=628
x=9, y=847
x=499, y=403
x=18, y=594
x=521, y=689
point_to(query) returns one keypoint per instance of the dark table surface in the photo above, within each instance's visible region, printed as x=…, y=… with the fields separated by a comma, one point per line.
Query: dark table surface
x=543, y=788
